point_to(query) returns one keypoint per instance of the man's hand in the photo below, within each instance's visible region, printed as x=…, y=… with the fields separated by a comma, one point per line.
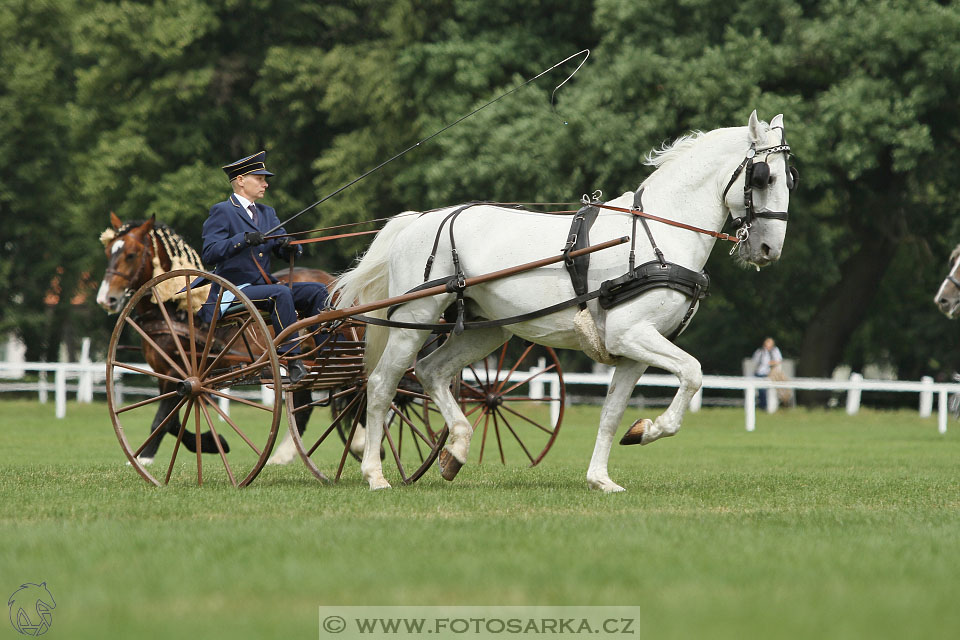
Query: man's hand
x=253, y=238
x=285, y=249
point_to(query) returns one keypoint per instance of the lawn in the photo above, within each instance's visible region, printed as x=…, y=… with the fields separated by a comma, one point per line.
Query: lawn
x=816, y=525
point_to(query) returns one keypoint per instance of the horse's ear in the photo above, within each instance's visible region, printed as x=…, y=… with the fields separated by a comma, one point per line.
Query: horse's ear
x=148, y=225
x=756, y=135
x=115, y=221
x=777, y=121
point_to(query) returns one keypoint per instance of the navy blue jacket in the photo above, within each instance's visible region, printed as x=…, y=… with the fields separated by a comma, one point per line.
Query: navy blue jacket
x=225, y=250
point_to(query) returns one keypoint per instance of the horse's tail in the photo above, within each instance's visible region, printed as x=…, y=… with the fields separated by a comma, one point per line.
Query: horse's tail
x=369, y=281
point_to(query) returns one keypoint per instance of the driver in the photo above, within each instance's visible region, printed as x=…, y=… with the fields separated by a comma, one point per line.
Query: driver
x=233, y=241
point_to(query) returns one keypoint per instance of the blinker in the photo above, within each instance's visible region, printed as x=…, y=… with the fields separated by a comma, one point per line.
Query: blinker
x=760, y=177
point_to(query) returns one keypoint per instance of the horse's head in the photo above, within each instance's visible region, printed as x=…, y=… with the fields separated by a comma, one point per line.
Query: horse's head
x=759, y=200
x=948, y=295
x=129, y=262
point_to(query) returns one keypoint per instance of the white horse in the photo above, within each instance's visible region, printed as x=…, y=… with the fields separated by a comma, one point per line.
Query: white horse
x=948, y=295
x=700, y=179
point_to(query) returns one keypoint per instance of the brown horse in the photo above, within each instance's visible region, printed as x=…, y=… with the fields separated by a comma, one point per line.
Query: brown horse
x=138, y=251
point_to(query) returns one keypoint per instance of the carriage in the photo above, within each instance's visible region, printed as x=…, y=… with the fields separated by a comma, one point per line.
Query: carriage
x=633, y=302
x=235, y=358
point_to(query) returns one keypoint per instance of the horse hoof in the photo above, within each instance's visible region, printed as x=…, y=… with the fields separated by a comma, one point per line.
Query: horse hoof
x=379, y=486
x=209, y=445
x=607, y=486
x=281, y=458
x=634, y=434
x=449, y=465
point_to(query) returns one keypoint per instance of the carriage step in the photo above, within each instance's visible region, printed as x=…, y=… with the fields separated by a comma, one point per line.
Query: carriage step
x=296, y=371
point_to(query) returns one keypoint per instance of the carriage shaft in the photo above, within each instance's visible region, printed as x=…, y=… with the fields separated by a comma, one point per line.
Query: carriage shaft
x=337, y=314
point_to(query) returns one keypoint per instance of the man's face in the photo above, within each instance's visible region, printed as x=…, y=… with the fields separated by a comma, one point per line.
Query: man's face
x=252, y=187
x=768, y=344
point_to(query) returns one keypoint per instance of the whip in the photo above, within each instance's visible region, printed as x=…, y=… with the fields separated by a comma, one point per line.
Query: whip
x=585, y=53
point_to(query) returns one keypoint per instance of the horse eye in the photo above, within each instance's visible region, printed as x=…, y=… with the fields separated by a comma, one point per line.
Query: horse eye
x=131, y=256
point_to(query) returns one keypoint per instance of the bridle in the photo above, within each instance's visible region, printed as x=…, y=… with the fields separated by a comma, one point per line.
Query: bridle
x=756, y=175
x=953, y=280
x=133, y=277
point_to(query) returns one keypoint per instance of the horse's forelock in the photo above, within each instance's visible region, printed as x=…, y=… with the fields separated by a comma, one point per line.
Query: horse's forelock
x=954, y=256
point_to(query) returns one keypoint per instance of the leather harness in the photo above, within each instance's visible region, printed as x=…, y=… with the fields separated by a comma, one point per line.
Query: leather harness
x=638, y=280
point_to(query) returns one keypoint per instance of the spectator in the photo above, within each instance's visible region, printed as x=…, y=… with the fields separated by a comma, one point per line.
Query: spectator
x=766, y=360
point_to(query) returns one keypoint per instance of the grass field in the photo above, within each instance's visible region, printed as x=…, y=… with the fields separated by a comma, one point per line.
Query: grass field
x=817, y=525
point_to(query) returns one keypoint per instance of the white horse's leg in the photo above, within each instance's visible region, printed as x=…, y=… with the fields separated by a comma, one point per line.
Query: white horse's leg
x=624, y=380
x=437, y=371
x=645, y=344
x=285, y=452
x=399, y=354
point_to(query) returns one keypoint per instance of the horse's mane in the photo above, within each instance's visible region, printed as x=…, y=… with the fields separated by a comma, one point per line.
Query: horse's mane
x=180, y=253
x=668, y=152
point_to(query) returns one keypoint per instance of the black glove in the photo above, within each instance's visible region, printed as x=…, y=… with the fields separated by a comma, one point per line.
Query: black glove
x=253, y=238
x=284, y=249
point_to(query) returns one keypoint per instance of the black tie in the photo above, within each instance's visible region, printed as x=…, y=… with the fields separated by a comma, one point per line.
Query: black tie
x=253, y=210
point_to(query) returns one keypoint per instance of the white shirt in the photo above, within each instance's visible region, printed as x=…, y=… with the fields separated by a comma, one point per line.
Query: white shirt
x=764, y=358
x=245, y=204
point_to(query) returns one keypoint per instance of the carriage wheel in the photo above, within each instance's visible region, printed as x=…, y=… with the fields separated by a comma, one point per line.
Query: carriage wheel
x=197, y=367
x=413, y=434
x=508, y=401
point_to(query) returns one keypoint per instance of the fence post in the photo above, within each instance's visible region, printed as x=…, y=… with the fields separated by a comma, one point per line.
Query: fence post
x=85, y=379
x=943, y=401
x=554, y=399
x=853, y=395
x=536, y=384
x=750, y=405
x=266, y=395
x=224, y=404
x=42, y=387
x=773, y=399
x=926, y=397
x=60, y=390
x=118, y=388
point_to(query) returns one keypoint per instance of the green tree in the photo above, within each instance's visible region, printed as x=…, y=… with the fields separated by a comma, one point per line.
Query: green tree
x=133, y=107
x=35, y=184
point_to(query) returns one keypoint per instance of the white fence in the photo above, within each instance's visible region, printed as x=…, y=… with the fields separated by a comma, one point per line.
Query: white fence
x=85, y=378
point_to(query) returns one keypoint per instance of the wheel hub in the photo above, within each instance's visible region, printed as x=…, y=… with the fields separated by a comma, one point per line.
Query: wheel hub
x=494, y=400
x=189, y=387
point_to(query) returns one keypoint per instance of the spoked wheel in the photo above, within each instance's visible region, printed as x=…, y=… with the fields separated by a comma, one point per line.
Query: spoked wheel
x=413, y=434
x=515, y=403
x=195, y=367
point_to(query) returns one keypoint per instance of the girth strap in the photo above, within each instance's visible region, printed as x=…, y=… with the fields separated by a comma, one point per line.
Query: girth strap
x=651, y=275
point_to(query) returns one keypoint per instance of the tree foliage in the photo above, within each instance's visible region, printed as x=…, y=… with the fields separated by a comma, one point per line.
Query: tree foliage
x=133, y=106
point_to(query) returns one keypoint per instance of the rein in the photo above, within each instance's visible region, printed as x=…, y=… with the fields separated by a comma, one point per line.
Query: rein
x=416, y=213
x=326, y=238
x=673, y=223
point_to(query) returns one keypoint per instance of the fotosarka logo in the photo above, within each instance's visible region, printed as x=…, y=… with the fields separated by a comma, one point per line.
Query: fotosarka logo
x=30, y=609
